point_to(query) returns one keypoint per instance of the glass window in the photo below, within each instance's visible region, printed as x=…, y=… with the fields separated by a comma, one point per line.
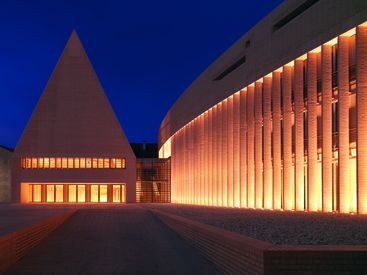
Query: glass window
x=118, y=163
x=113, y=163
x=94, y=193
x=58, y=163
x=46, y=163
x=81, y=193
x=37, y=193
x=50, y=193
x=100, y=162
x=88, y=163
x=72, y=193
x=40, y=162
x=70, y=163
x=82, y=162
x=116, y=193
x=28, y=162
x=23, y=162
x=59, y=193
x=34, y=162
x=76, y=162
x=123, y=163
x=94, y=163
x=103, y=193
x=123, y=193
x=64, y=163
x=106, y=163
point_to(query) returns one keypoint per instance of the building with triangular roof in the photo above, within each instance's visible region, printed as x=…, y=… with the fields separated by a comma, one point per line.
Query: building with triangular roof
x=73, y=148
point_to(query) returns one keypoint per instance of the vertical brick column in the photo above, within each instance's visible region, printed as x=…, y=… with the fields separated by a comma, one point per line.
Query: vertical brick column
x=361, y=54
x=215, y=153
x=191, y=163
x=230, y=151
x=312, y=131
x=299, y=134
x=243, y=148
x=327, y=118
x=288, y=192
x=220, y=156
x=258, y=146
x=224, y=153
x=202, y=160
x=277, y=145
x=195, y=160
x=187, y=163
x=268, y=170
x=205, y=159
x=236, y=150
x=210, y=157
x=250, y=147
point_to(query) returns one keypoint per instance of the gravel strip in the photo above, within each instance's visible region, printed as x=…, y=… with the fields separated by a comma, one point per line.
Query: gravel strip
x=279, y=227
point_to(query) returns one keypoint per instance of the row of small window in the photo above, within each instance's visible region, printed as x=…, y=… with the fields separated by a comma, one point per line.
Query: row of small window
x=72, y=163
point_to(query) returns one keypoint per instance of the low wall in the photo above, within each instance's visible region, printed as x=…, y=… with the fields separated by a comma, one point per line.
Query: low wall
x=233, y=253
x=15, y=245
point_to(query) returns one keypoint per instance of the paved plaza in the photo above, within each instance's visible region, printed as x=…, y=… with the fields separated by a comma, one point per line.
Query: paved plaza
x=110, y=239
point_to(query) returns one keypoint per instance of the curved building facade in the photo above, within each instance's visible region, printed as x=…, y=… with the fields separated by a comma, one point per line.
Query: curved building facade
x=279, y=121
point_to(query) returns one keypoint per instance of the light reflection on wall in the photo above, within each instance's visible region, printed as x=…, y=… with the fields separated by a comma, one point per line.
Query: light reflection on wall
x=226, y=156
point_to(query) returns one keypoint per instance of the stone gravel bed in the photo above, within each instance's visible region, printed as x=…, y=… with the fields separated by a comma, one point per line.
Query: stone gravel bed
x=279, y=227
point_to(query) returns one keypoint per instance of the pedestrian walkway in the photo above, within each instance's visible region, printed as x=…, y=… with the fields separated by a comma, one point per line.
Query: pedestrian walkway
x=125, y=239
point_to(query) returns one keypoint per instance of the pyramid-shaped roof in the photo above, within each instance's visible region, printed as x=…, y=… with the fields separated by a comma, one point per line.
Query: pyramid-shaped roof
x=73, y=115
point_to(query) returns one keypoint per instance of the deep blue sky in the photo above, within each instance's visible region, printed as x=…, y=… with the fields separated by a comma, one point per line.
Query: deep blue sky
x=146, y=53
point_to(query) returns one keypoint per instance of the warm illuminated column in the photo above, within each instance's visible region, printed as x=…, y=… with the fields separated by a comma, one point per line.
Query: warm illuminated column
x=230, y=151
x=312, y=132
x=236, y=150
x=277, y=162
x=258, y=146
x=173, y=170
x=268, y=170
x=250, y=147
x=224, y=152
x=243, y=148
x=327, y=142
x=299, y=134
x=191, y=163
x=219, y=156
x=215, y=153
x=210, y=157
x=206, y=151
x=287, y=138
x=196, y=154
x=343, y=127
x=202, y=164
x=361, y=54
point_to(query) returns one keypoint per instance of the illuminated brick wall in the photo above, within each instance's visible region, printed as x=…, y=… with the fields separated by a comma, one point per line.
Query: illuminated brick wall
x=295, y=139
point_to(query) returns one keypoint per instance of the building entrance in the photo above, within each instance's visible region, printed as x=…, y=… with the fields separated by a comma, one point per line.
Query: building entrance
x=73, y=192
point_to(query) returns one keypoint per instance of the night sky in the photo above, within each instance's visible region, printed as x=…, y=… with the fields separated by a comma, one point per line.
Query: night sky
x=145, y=53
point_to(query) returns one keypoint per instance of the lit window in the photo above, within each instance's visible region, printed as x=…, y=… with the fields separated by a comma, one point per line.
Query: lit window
x=70, y=163
x=123, y=164
x=94, y=163
x=116, y=193
x=23, y=162
x=72, y=193
x=100, y=162
x=123, y=193
x=46, y=163
x=40, y=162
x=28, y=162
x=82, y=162
x=81, y=193
x=103, y=193
x=94, y=193
x=59, y=193
x=50, y=193
x=106, y=163
x=118, y=163
x=34, y=162
x=58, y=162
x=37, y=193
x=64, y=163
x=76, y=162
x=88, y=163
x=113, y=163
